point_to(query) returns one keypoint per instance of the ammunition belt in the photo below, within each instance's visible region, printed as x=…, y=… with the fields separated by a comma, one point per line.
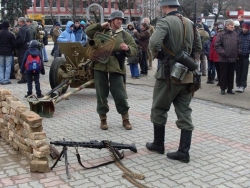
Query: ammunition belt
x=128, y=174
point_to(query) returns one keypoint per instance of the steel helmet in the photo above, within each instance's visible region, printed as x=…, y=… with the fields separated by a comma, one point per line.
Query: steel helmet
x=168, y=2
x=116, y=14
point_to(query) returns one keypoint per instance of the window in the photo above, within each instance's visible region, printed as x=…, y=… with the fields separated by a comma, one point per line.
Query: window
x=112, y=4
x=46, y=3
x=106, y=5
x=53, y=3
x=62, y=3
x=38, y=3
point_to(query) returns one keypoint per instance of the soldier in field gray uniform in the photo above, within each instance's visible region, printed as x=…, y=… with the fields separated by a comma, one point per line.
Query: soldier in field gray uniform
x=173, y=34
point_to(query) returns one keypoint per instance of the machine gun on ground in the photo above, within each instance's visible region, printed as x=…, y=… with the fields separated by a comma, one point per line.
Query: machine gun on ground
x=113, y=147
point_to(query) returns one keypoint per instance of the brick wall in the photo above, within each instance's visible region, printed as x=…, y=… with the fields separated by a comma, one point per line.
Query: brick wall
x=23, y=130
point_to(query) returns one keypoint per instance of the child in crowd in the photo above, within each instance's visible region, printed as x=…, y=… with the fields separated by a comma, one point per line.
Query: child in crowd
x=211, y=66
x=33, y=65
x=134, y=61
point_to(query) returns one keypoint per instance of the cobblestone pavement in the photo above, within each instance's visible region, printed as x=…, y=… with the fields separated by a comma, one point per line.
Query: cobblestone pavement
x=220, y=150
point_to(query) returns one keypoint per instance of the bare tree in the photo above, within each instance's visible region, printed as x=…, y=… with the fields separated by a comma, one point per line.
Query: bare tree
x=95, y=10
x=49, y=10
x=74, y=7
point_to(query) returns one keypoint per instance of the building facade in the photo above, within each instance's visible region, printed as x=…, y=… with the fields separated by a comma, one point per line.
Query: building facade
x=62, y=10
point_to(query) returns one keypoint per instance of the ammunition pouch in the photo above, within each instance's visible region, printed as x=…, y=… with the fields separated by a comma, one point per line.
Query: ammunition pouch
x=179, y=71
x=196, y=85
x=185, y=59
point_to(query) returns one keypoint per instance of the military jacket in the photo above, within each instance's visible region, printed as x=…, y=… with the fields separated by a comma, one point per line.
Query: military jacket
x=170, y=32
x=120, y=36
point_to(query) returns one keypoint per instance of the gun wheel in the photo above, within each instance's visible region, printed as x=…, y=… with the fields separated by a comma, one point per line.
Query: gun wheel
x=57, y=69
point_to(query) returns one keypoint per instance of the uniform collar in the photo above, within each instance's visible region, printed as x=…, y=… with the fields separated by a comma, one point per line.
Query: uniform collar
x=173, y=13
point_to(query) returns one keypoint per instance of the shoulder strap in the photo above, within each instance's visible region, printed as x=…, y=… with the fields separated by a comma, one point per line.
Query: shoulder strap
x=184, y=35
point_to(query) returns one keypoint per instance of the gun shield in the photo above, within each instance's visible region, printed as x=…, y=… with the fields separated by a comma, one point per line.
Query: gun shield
x=101, y=47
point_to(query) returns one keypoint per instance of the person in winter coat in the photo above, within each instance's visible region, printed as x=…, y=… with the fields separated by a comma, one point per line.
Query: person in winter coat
x=79, y=33
x=110, y=76
x=243, y=62
x=210, y=64
x=134, y=61
x=227, y=45
x=22, y=40
x=213, y=55
x=56, y=34
x=7, y=46
x=31, y=75
x=200, y=56
x=67, y=35
x=143, y=37
x=45, y=43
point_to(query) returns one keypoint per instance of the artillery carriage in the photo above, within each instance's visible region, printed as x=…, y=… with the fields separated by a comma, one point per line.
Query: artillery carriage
x=72, y=71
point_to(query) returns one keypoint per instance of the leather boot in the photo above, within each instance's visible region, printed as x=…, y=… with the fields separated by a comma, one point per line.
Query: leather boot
x=125, y=122
x=212, y=80
x=158, y=144
x=208, y=79
x=103, y=124
x=182, y=154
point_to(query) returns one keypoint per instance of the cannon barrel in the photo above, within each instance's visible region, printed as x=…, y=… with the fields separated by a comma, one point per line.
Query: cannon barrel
x=94, y=43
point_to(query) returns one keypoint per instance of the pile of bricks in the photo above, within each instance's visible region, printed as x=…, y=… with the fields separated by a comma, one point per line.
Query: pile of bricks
x=23, y=130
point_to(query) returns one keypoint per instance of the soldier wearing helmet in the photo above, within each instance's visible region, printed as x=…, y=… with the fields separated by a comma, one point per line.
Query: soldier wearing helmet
x=111, y=75
x=173, y=35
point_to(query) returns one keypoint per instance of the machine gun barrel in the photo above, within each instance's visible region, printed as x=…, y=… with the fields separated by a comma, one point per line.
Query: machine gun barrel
x=95, y=144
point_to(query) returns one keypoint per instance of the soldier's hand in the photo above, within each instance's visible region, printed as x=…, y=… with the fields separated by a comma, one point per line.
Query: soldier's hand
x=124, y=46
x=105, y=25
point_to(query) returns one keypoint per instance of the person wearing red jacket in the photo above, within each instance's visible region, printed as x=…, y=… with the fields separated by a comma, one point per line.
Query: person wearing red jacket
x=213, y=56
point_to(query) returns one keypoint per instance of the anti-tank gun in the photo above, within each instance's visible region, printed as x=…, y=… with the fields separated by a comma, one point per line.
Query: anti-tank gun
x=73, y=70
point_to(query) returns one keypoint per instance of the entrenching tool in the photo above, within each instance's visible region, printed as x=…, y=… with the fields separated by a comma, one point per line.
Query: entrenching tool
x=45, y=107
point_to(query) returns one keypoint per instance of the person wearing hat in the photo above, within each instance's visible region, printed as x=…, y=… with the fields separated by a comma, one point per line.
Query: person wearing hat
x=151, y=29
x=243, y=61
x=143, y=38
x=200, y=56
x=111, y=75
x=56, y=34
x=167, y=41
x=83, y=25
x=237, y=26
x=33, y=52
x=228, y=47
x=199, y=21
x=7, y=46
x=22, y=41
x=67, y=35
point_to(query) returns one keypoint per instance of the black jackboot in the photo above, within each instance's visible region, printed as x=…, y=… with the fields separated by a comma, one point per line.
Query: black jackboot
x=184, y=146
x=212, y=80
x=208, y=79
x=158, y=144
